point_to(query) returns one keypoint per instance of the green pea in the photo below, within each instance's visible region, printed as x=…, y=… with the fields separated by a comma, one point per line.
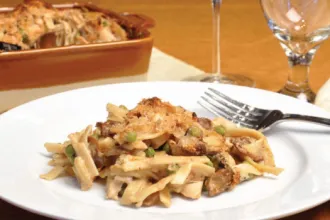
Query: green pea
x=150, y=152
x=70, y=153
x=130, y=137
x=166, y=148
x=195, y=131
x=220, y=129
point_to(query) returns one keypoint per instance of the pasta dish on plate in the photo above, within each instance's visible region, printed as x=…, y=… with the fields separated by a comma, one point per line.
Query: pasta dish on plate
x=156, y=149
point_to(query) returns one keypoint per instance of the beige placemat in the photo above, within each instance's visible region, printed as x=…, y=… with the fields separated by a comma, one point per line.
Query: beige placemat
x=323, y=96
x=163, y=67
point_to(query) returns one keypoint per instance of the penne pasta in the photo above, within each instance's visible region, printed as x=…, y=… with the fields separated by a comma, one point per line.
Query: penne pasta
x=148, y=163
x=82, y=174
x=53, y=173
x=165, y=197
x=55, y=148
x=83, y=152
x=192, y=190
x=147, y=153
x=264, y=168
x=182, y=174
x=131, y=191
x=144, y=193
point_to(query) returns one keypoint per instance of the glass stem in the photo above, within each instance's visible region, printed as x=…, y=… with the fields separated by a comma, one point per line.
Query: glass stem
x=298, y=80
x=216, y=64
x=299, y=72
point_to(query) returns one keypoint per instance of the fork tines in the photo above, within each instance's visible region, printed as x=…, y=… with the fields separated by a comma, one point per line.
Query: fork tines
x=224, y=106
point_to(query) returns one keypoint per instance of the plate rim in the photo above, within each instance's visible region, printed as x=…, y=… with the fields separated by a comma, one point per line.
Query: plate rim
x=157, y=82
x=44, y=213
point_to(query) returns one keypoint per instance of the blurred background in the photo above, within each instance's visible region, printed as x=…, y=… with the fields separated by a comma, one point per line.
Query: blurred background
x=184, y=30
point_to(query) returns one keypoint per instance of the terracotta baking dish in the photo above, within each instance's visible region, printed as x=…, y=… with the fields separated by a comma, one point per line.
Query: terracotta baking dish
x=70, y=64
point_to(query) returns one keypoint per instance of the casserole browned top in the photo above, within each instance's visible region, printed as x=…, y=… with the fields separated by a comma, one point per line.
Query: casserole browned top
x=37, y=24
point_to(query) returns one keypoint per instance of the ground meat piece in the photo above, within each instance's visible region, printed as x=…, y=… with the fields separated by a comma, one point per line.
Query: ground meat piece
x=239, y=149
x=99, y=161
x=240, y=141
x=219, y=182
x=205, y=123
x=109, y=128
x=194, y=116
x=188, y=146
x=109, y=161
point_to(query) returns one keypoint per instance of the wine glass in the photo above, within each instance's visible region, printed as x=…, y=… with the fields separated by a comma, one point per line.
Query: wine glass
x=300, y=26
x=217, y=76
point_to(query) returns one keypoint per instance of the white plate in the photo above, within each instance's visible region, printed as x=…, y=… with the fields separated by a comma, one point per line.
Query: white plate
x=302, y=149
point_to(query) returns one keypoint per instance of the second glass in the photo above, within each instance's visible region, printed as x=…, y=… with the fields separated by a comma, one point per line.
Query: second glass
x=300, y=26
x=217, y=76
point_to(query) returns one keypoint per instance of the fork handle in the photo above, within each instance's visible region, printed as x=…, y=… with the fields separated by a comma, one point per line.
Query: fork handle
x=318, y=120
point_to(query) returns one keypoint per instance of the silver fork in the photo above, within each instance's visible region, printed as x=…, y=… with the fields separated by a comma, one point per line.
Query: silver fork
x=246, y=115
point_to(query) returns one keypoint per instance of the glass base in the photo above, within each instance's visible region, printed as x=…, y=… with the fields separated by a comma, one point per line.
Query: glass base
x=305, y=95
x=224, y=79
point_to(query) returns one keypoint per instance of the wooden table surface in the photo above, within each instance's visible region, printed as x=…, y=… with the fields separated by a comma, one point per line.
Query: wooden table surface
x=247, y=47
